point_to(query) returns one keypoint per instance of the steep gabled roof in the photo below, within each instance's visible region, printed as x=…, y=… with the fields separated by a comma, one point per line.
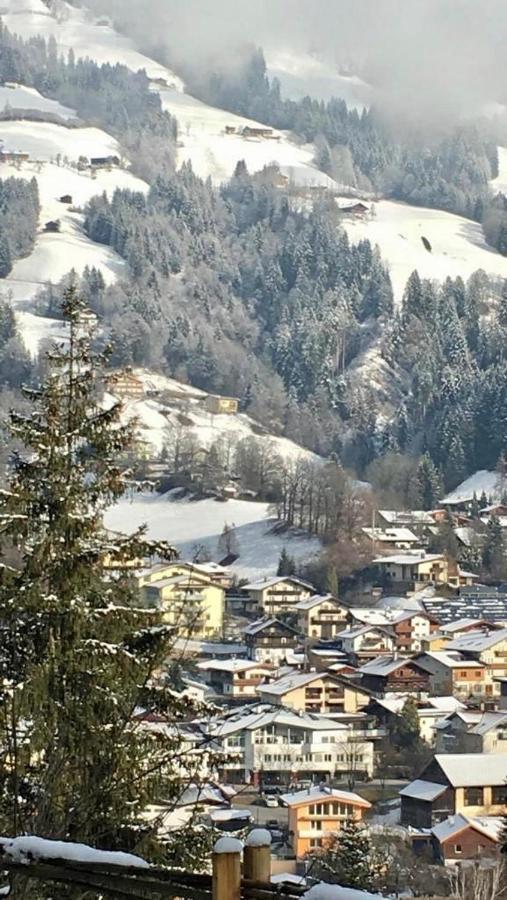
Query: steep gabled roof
x=473, y=769
x=260, y=624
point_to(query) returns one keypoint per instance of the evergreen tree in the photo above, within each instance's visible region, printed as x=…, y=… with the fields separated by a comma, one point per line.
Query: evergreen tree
x=349, y=859
x=405, y=732
x=332, y=581
x=77, y=654
x=5, y=256
x=429, y=487
x=493, y=553
x=286, y=564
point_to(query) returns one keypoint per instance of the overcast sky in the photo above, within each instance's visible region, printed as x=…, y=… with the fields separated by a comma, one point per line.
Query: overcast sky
x=448, y=54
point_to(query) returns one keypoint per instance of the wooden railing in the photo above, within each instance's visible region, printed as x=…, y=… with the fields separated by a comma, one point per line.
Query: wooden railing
x=231, y=878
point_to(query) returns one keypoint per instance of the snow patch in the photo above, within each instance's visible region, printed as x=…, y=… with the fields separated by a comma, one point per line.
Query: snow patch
x=228, y=845
x=23, y=850
x=335, y=892
x=259, y=837
x=19, y=97
x=302, y=75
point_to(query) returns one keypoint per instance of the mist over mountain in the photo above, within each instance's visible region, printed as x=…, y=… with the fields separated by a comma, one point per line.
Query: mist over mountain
x=443, y=58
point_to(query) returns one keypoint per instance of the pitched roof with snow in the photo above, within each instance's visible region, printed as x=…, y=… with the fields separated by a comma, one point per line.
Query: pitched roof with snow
x=479, y=602
x=473, y=769
x=388, y=535
x=271, y=582
x=316, y=600
x=384, y=665
x=423, y=790
x=260, y=624
x=478, y=483
x=291, y=682
x=230, y=665
x=321, y=793
x=490, y=826
x=476, y=641
x=450, y=660
x=409, y=559
x=407, y=516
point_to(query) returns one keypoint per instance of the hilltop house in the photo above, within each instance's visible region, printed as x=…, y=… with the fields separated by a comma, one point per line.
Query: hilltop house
x=320, y=617
x=268, y=640
x=277, y=595
x=317, y=814
x=469, y=783
x=414, y=569
x=125, y=385
x=221, y=405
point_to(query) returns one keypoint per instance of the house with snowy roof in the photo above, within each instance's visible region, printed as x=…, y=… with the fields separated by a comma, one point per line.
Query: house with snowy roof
x=396, y=538
x=479, y=602
x=279, y=594
x=473, y=731
x=469, y=783
x=452, y=673
x=318, y=813
x=314, y=692
x=271, y=744
x=461, y=837
x=321, y=617
x=363, y=642
x=268, y=640
x=486, y=647
x=392, y=674
x=413, y=569
x=234, y=679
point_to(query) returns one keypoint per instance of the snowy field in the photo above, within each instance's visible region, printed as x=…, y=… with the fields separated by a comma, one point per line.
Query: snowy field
x=480, y=482
x=19, y=97
x=301, y=75
x=76, y=29
x=190, y=525
x=45, y=140
x=214, y=153
x=458, y=245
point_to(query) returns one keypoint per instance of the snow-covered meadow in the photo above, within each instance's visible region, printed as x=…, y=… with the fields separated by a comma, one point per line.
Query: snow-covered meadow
x=193, y=525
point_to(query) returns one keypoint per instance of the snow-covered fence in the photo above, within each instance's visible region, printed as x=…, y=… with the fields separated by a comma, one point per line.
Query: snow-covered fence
x=125, y=876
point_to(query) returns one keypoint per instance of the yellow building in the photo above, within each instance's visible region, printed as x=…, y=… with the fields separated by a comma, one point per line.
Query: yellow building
x=321, y=617
x=317, y=814
x=221, y=405
x=274, y=596
x=189, y=599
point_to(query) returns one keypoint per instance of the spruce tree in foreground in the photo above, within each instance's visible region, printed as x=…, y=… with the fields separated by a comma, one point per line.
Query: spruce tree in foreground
x=77, y=655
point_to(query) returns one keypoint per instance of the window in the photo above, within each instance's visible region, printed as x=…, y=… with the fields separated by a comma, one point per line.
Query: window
x=458, y=848
x=499, y=795
x=315, y=842
x=474, y=796
x=311, y=809
x=316, y=825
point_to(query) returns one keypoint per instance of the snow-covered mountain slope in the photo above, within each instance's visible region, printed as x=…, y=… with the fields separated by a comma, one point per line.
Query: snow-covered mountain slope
x=302, y=75
x=202, y=138
x=191, y=525
x=203, y=141
x=55, y=254
x=179, y=405
x=458, y=246
x=19, y=97
x=499, y=184
x=74, y=29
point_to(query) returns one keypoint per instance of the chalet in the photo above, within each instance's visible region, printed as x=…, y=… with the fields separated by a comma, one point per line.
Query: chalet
x=279, y=594
x=13, y=156
x=498, y=510
x=406, y=518
x=268, y=640
x=317, y=814
x=221, y=405
x=389, y=674
x=414, y=569
x=452, y=783
x=358, y=210
x=234, y=679
x=451, y=673
x=388, y=709
x=230, y=129
x=320, y=617
x=67, y=199
x=396, y=538
x=461, y=837
x=486, y=647
x=103, y=162
x=411, y=629
x=52, y=227
x=311, y=692
x=125, y=384
x=364, y=642
x=250, y=131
